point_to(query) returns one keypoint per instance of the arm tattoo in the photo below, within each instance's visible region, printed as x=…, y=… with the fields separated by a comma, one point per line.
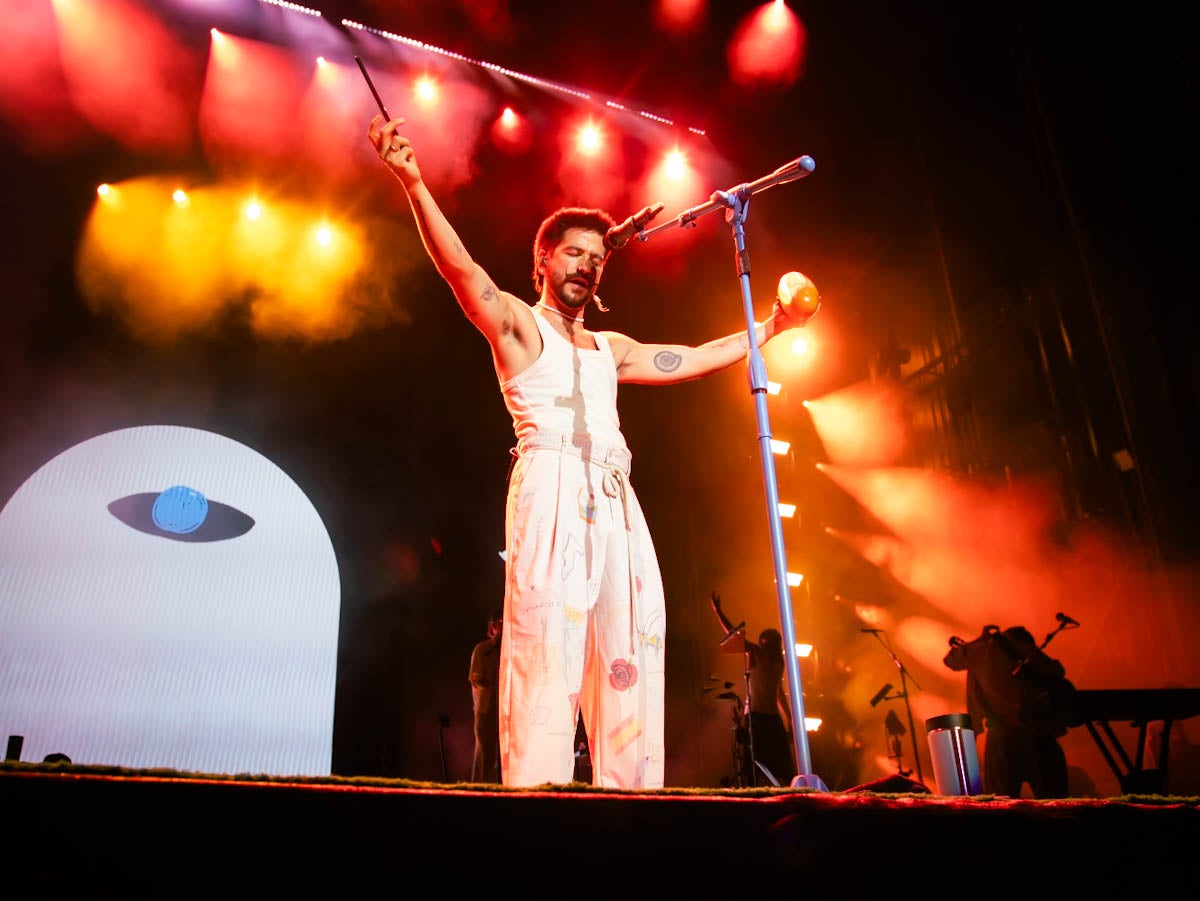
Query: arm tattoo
x=490, y=294
x=666, y=361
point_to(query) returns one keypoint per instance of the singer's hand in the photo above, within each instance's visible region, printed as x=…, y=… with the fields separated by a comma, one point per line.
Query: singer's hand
x=394, y=149
x=783, y=318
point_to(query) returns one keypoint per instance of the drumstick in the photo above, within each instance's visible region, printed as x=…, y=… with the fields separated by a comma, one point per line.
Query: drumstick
x=371, y=85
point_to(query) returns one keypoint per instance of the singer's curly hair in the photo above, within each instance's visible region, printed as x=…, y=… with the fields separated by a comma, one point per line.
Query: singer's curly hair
x=554, y=226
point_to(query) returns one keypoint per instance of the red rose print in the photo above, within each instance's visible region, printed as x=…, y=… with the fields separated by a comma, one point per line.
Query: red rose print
x=623, y=676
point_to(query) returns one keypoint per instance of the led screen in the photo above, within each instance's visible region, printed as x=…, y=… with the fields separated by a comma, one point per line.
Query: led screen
x=169, y=598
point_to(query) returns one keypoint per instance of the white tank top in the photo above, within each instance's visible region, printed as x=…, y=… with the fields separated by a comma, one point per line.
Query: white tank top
x=569, y=390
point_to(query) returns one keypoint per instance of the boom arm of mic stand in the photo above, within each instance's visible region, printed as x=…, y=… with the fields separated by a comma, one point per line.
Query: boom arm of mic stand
x=796, y=169
x=1050, y=637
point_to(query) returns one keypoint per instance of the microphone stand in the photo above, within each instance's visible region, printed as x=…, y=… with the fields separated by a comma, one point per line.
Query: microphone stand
x=736, y=203
x=739, y=632
x=902, y=694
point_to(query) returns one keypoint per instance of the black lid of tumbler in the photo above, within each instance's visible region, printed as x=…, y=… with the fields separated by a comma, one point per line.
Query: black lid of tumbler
x=949, y=721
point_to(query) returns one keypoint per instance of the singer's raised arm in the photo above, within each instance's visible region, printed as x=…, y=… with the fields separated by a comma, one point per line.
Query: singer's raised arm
x=492, y=311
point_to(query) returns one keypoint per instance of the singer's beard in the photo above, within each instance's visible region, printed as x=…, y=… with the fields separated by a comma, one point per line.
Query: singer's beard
x=574, y=297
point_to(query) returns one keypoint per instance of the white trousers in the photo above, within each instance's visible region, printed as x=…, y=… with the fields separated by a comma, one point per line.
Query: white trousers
x=584, y=621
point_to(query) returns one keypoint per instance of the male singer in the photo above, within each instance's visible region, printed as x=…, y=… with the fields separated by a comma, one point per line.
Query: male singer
x=584, y=612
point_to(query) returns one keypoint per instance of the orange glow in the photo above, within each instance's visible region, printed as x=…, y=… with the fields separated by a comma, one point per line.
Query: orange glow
x=946, y=533
x=864, y=424
x=797, y=356
x=870, y=615
x=768, y=46
x=166, y=268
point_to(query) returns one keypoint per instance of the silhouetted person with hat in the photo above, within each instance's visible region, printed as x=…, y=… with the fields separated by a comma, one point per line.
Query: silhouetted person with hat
x=1018, y=698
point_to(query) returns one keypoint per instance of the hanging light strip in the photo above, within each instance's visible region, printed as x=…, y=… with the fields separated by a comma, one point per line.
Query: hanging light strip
x=294, y=7
x=511, y=73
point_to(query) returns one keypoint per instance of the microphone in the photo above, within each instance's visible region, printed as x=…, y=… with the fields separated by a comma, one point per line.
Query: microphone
x=1065, y=620
x=871, y=631
x=619, y=235
x=881, y=694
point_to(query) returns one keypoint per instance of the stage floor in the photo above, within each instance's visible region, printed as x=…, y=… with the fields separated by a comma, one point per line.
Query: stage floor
x=167, y=834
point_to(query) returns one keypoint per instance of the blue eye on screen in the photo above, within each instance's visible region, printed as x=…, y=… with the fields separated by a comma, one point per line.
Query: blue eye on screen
x=179, y=509
x=181, y=513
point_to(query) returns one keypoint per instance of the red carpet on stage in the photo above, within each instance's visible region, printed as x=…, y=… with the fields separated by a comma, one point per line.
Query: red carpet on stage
x=171, y=834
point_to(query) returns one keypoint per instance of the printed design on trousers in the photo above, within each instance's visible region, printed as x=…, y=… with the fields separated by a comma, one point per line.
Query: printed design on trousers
x=523, y=500
x=624, y=733
x=587, y=506
x=623, y=675
x=651, y=633
x=539, y=532
x=546, y=657
x=572, y=553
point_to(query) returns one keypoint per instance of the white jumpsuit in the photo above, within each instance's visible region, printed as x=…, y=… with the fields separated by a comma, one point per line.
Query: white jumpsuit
x=584, y=612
